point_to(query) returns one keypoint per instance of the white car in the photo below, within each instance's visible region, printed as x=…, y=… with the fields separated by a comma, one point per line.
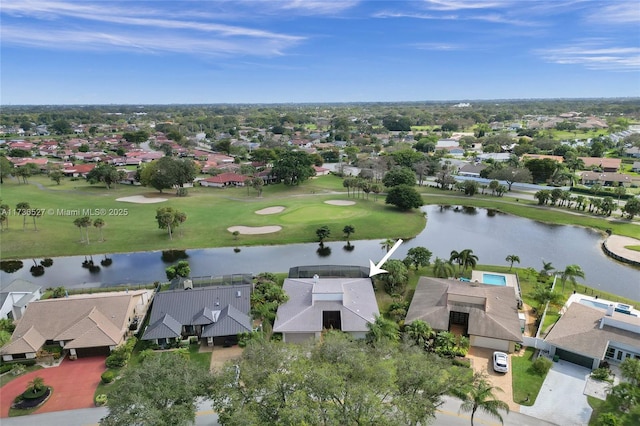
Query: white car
x=500, y=362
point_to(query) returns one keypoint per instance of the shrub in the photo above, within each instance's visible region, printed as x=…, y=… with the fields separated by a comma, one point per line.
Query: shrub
x=461, y=362
x=108, y=376
x=101, y=399
x=4, y=368
x=542, y=365
x=600, y=374
x=18, y=369
x=118, y=358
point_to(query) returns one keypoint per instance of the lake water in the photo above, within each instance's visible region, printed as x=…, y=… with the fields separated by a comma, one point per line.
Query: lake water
x=491, y=236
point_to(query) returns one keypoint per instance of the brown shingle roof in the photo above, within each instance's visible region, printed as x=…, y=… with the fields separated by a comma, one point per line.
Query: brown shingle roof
x=492, y=309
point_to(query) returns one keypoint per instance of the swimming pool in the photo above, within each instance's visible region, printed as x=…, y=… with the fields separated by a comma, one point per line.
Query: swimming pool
x=594, y=304
x=494, y=279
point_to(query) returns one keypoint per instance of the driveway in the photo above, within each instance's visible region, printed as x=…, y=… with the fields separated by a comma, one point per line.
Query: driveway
x=561, y=399
x=73, y=382
x=482, y=361
x=221, y=355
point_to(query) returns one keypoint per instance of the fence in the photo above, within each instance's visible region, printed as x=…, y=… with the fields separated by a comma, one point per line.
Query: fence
x=207, y=281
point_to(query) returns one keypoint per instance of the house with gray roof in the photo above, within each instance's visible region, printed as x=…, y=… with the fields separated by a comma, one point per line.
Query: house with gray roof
x=317, y=304
x=216, y=314
x=15, y=297
x=587, y=335
x=487, y=314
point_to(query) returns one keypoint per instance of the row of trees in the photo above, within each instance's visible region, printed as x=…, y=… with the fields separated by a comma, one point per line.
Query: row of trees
x=84, y=223
x=601, y=206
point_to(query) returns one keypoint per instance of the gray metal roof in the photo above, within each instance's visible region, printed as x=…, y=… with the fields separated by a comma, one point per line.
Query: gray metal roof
x=496, y=317
x=202, y=306
x=300, y=314
x=21, y=286
x=165, y=328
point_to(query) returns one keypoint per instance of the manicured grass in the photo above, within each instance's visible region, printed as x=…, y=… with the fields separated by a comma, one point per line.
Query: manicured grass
x=15, y=412
x=202, y=359
x=210, y=211
x=6, y=378
x=634, y=248
x=599, y=406
x=526, y=382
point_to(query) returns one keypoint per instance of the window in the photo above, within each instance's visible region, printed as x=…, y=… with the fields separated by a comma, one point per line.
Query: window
x=610, y=352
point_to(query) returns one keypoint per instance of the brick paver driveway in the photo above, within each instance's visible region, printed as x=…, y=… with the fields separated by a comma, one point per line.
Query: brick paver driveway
x=482, y=361
x=73, y=382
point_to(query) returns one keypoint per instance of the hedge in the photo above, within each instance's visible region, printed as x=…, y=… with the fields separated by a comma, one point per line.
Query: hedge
x=601, y=193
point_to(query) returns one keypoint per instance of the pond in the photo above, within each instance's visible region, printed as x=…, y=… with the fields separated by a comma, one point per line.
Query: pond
x=492, y=237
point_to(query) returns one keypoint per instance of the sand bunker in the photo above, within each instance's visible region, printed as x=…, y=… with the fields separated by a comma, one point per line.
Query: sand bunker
x=254, y=230
x=271, y=210
x=340, y=202
x=141, y=199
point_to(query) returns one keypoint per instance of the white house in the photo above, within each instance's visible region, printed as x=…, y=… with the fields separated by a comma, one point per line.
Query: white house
x=15, y=297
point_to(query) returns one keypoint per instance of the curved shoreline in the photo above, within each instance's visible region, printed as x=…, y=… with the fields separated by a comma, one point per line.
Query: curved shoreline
x=614, y=247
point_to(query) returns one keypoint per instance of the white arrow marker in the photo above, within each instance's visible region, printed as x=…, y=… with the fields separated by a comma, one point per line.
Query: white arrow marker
x=377, y=269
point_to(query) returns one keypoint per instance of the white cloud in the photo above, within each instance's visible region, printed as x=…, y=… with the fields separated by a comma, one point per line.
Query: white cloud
x=463, y=4
x=316, y=7
x=438, y=46
x=595, y=55
x=618, y=13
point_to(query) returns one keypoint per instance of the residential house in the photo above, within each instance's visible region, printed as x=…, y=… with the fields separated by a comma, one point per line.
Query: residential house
x=41, y=163
x=217, y=314
x=15, y=297
x=321, y=171
x=85, y=325
x=557, y=158
x=471, y=169
x=488, y=314
x=78, y=170
x=495, y=156
x=635, y=167
x=634, y=151
x=605, y=179
x=317, y=304
x=608, y=165
x=224, y=179
x=587, y=335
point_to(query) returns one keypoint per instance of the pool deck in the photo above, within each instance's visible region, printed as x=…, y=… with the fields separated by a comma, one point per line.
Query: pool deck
x=615, y=246
x=576, y=297
x=511, y=279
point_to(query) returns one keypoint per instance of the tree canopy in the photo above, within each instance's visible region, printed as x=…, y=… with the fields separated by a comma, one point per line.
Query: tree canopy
x=404, y=197
x=293, y=167
x=168, y=172
x=399, y=176
x=161, y=391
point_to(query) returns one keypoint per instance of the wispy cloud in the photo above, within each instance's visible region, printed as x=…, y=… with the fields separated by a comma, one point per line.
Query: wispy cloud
x=596, y=55
x=438, y=46
x=618, y=13
x=316, y=7
x=463, y=4
x=132, y=28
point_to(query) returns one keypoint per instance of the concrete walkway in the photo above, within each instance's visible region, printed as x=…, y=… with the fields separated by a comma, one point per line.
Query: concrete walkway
x=561, y=399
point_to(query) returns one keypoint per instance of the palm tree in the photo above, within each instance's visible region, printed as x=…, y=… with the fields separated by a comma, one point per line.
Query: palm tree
x=387, y=244
x=570, y=273
x=468, y=259
x=442, y=268
x=543, y=294
x=323, y=233
x=480, y=395
x=99, y=223
x=547, y=269
x=382, y=329
x=86, y=222
x=4, y=216
x=511, y=259
x=23, y=209
x=348, y=230
x=420, y=332
x=36, y=384
x=454, y=257
x=78, y=222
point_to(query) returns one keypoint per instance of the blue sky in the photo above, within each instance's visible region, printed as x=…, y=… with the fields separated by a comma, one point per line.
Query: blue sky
x=161, y=52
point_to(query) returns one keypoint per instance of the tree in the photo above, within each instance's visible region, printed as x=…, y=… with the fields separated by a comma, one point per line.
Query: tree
x=323, y=233
x=630, y=369
x=162, y=390
x=480, y=395
x=399, y=176
x=62, y=127
x=181, y=269
x=511, y=259
x=419, y=332
x=293, y=167
x=632, y=208
x=404, y=197
x=36, y=385
x=168, y=172
x=418, y=257
x=620, y=190
x=266, y=297
x=169, y=218
x=4, y=216
x=26, y=171
x=348, y=230
x=258, y=184
x=78, y=222
x=511, y=175
x=99, y=223
x=105, y=173
x=22, y=208
x=541, y=169
x=56, y=175
x=470, y=187
x=442, y=268
x=382, y=329
x=387, y=244
x=395, y=281
x=6, y=168
x=547, y=269
x=542, y=294
x=570, y=273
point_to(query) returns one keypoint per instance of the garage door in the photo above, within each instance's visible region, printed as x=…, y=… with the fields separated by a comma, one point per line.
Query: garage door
x=98, y=351
x=575, y=358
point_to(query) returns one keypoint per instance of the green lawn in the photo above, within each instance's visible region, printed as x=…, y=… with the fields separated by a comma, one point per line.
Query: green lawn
x=526, y=382
x=210, y=211
x=6, y=378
